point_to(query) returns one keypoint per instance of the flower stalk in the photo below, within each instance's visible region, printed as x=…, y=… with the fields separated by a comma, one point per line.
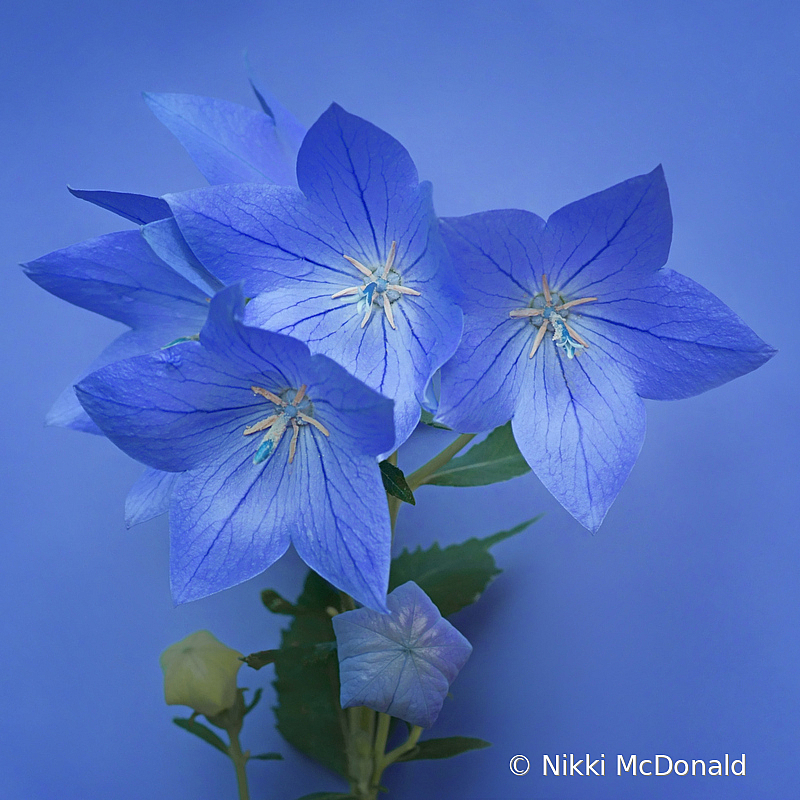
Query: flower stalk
x=420, y=476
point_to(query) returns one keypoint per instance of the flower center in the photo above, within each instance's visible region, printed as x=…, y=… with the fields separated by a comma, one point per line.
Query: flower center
x=382, y=288
x=555, y=315
x=296, y=413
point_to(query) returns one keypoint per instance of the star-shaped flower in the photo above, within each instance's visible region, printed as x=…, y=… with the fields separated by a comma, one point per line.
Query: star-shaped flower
x=569, y=323
x=274, y=446
x=401, y=663
x=352, y=263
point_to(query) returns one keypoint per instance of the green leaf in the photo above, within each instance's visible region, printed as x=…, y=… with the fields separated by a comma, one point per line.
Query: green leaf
x=261, y=658
x=276, y=604
x=198, y=729
x=427, y=418
x=456, y=576
x=256, y=697
x=444, y=748
x=394, y=482
x=497, y=458
x=268, y=757
x=307, y=679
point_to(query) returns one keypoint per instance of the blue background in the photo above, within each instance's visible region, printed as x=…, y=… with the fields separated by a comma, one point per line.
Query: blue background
x=674, y=630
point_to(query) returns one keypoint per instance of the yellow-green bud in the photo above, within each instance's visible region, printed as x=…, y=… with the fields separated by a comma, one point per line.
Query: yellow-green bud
x=200, y=672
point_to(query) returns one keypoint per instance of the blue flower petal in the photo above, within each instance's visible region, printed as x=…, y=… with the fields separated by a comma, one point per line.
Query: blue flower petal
x=500, y=265
x=119, y=276
x=362, y=176
x=224, y=525
x=229, y=143
x=674, y=337
x=138, y=208
x=170, y=409
x=401, y=663
x=342, y=530
x=605, y=241
x=165, y=240
x=287, y=127
x=580, y=425
x=253, y=233
x=67, y=412
x=149, y=497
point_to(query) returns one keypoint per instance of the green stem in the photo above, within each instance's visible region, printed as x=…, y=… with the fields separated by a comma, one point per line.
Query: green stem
x=239, y=761
x=384, y=720
x=360, y=751
x=417, y=478
x=409, y=744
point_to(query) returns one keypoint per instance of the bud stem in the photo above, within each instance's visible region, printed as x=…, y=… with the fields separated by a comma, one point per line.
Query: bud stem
x=239, y=760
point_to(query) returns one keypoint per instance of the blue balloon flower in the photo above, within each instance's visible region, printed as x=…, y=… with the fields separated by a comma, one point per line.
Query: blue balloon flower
x=569, y=323
x=352, y=263
x=273, y=445
x=401, y=663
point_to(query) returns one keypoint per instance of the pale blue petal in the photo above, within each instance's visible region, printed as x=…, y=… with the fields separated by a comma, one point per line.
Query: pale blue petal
x=165, y=240
x=67, y=412
x=224, y=524
x=119, y=276
x=602, y=243
x=172, y=410
x=674, y=337
x=254, y=233
x=342, y=520
x=580, y=425
x=149, y=497
x=138, y=208
x=289, y=130
x=229, y=143
x=362, y=176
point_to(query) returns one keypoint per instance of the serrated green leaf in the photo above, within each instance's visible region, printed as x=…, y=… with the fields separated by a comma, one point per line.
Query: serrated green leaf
x=444, y=748
x=456, y=576
x=394, y=482
x=268, y=757
x=276, y=604
x=254, y=702
x=198, y=729
x=497, y=458
x=427, y=419
x=307, y=679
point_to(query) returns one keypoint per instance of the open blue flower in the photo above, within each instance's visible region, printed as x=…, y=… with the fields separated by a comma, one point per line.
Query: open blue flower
x=273, y=445
x=401, y=663
x=352, y=263
x=569, y=323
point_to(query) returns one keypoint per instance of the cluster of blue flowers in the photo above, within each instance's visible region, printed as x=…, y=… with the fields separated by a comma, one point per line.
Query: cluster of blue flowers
x=287, y=321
